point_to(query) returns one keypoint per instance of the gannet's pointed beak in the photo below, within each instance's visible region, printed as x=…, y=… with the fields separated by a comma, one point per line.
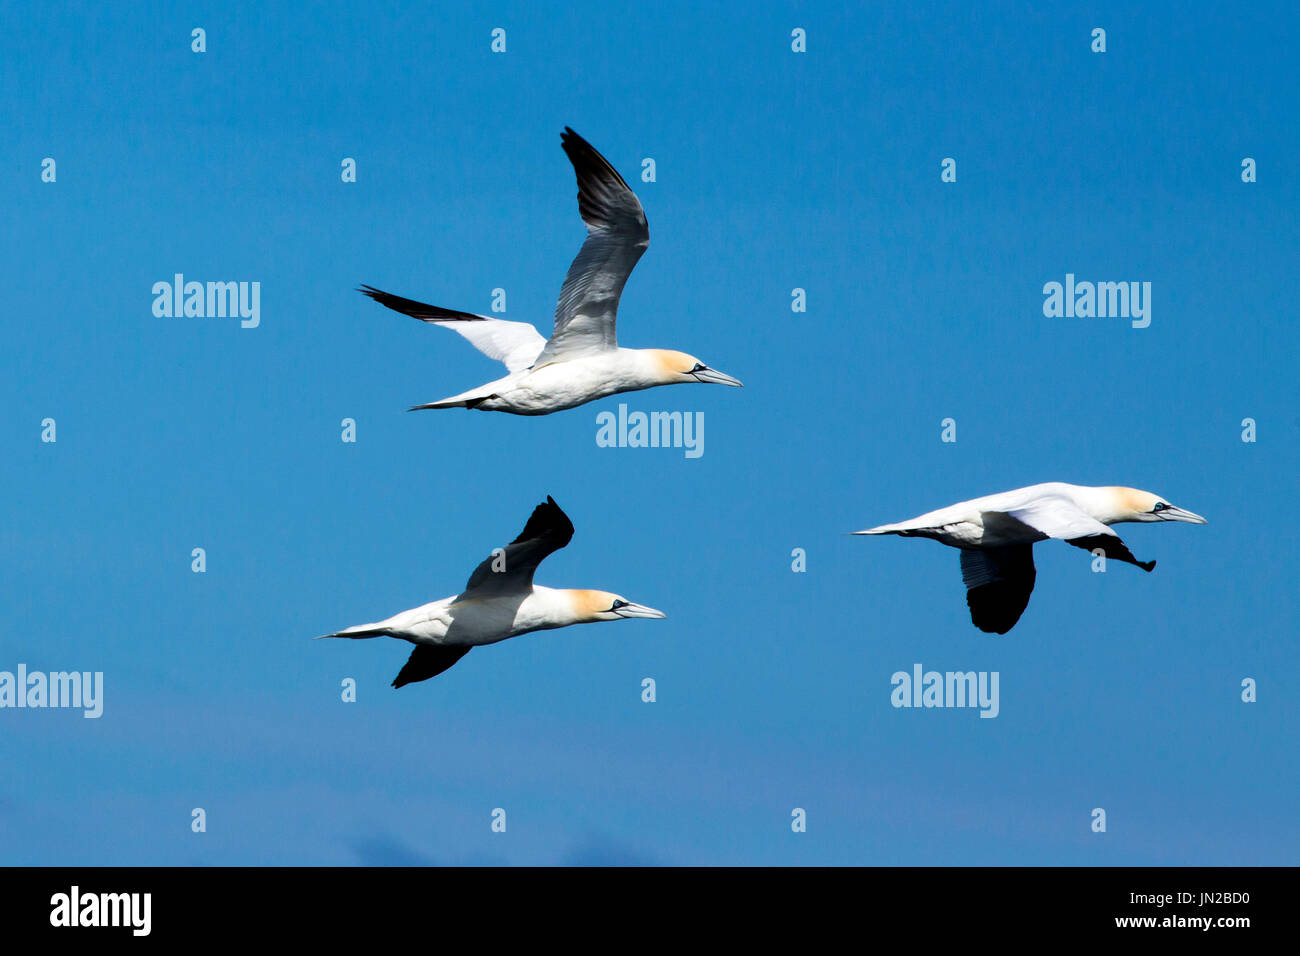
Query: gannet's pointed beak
x=711, y=376
x=1178, y=514
x=639, y=610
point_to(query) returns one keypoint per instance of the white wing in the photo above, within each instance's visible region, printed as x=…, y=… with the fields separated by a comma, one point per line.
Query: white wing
x=516, y=344
x=1059, y=518
x=617, y=236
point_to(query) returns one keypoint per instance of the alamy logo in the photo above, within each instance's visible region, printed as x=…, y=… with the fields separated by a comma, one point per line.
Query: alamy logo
x=103, y=909
x=1120, y=300
x=947, y=689
x=56, y=689
x=213, y=300
x=655, y=430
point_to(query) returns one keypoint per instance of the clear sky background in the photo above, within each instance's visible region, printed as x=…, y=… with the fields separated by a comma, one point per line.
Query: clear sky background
x=775, y=170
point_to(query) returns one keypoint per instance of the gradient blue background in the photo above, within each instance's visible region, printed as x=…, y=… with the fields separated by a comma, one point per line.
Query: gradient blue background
x=775, y=170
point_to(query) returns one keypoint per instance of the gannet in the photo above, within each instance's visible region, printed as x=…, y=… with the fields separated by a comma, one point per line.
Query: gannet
x=499, y=601
x=996, y=535
x=582, y=360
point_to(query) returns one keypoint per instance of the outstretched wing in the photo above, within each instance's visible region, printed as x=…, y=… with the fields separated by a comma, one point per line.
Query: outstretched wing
x=998, y=583
x=517, y=344
x=427, y=660
x=617, y=235
x=548, y=530
x=1112, y=547
x=1059, y=518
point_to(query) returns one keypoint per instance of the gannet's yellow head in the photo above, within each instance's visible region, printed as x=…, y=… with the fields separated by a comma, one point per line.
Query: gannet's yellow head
x=678, y=367
x=592, y=606
x=1131, y=504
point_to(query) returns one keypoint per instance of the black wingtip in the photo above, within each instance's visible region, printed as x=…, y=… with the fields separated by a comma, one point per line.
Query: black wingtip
x=1147, y=565
x=997, y=606
x=570, y=138
x=427, y=661
x=416, y=309
x=587, y=158
x=376, y=295
x=547, y=519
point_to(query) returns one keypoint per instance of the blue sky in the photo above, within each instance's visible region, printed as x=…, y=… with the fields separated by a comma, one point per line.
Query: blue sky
x=775, y=170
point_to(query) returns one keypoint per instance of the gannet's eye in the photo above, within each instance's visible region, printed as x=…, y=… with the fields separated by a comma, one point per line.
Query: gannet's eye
x=699, y=367
x=618, y=604
x=1160, y=506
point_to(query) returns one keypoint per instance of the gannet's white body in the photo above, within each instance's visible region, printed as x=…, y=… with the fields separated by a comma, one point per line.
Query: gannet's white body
x=553, y=388
x=486, y=619
x=581, y=361
x=996, y=535
x=500, y=601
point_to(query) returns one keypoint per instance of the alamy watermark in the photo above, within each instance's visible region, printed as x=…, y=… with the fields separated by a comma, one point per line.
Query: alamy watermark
x=1120, y=300
x=922, y=688
x=75, y=908
x=211, y=300
x=73, y=689
x=651, y=430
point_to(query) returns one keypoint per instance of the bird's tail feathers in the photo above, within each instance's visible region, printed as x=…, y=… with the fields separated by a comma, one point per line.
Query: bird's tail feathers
x=448, y=403
x=360, y=631
x=471, y=399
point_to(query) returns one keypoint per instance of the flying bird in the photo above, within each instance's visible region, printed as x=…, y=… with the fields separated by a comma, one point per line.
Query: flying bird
x=500, y=601
x=582, y=360
x=996, y=535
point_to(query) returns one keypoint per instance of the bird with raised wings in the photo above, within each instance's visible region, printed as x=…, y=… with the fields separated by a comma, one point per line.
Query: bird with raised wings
x=996, y=535
x=500, y=601
x=582, y=360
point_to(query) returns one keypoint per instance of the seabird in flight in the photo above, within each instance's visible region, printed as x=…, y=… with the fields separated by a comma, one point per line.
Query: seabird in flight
x=996, y=535
x=500, y=601
x=582, y=360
